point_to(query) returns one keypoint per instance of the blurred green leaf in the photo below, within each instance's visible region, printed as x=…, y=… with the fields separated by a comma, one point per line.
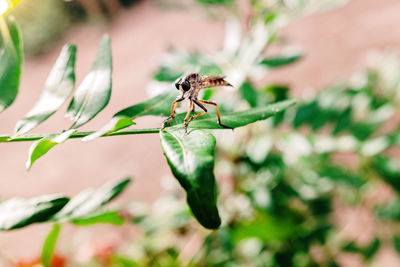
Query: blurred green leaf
x=305, y=113
x=58, y=87
x=363, y=130
x=121, y=261
x=93, y=95
x=337, y=174
x=191, y=159
x=321, y=206
x=388, y=170
x=249, y=94
x=20, y=212
x=344, y=121
x=367, y=251
x=89, y=201
x=110, y=217
x=166, y=74
x=234, y=119
x=266, y=227
x=11, y=57
x=281, y=60
x=396, y=243
x=41, y=147
x=50, y=245
x=279, y=93
x=389, y=210
x=207, y=93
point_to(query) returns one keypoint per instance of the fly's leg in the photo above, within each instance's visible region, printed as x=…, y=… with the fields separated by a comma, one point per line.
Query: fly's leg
x=201, y=106
x=187, y=120
x=172, y=116
x=199, y=102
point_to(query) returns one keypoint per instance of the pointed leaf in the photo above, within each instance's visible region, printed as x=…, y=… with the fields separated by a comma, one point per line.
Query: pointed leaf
x=50, y=245
x=41, y=147
x=111, y=217
x=281, y=60
x=191, y=159
x=233, y=119
x=19, y=212
x=11, y=57
x=93, y=94
x=159, y=105
x=90, y=200
x=58, y=87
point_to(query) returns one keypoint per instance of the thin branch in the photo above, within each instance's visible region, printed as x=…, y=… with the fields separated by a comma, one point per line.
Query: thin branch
x=34, y=137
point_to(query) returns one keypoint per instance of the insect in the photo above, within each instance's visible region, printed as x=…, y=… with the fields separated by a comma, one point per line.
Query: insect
x=190, y=86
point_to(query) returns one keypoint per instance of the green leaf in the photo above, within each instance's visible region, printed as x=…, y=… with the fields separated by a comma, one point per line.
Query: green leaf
x=233, y=119
x=94, y=93
x=166, y=74
x=50, y=245
x=122, y=261
x=111, y=217
x=389, y=171
x=396, y=244
x=11, y=58
x=305, y=113
x=337, y=174
x=191, y=159
x=19, y=212
x=266, y=227
x=281, y=60
x=367, y=251
x=90, y=200
x=344, y=121
x=363, y=130
x=249, y=94
x=58, y=87
x=159, y=105
x=41, y=147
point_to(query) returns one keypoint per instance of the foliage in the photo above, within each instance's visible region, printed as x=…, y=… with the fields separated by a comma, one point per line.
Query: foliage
x=11, y=61
x=93, y=95
x=20, y=212
x=286, y=186
x=285, y=181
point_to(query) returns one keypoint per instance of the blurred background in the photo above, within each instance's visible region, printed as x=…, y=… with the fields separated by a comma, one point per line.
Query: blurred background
x=316, y=187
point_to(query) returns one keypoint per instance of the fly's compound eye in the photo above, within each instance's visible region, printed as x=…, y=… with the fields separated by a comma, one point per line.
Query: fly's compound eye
x=186, y=85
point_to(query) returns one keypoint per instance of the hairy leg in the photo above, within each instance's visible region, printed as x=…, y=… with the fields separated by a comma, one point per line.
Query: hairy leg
x=187, y=120
x=172, y=116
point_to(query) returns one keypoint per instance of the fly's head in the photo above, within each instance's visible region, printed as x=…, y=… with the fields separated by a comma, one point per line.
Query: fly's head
x=182, y=84
x=187, y=83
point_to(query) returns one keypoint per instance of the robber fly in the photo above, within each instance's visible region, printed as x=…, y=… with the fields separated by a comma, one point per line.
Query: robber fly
x=190, y=87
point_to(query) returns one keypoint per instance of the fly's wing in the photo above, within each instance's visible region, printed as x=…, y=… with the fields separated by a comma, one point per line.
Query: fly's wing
x=213, y=81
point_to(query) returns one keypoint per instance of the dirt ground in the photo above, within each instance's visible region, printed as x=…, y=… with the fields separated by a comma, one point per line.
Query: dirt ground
x=335, y=42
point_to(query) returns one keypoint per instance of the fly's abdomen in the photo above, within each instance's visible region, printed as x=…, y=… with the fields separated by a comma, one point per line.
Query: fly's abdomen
x=214, y=81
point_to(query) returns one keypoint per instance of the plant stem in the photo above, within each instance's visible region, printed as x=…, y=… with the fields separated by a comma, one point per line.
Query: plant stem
x=34, y=137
